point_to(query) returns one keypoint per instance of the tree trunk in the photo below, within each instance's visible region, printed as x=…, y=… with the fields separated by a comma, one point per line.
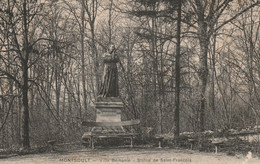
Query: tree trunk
x=203, y=71
x=213, y=73
x=25, y=114
x=83, y=58
x=177, y=75
x=93, y=45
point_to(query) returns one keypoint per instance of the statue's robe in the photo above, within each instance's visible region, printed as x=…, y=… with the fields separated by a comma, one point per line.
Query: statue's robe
x=109, y=83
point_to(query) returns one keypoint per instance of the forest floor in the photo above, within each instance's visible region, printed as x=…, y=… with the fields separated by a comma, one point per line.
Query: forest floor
x=130, y=155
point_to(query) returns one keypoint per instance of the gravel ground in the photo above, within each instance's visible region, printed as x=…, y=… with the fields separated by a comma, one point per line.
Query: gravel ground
x=127, y=155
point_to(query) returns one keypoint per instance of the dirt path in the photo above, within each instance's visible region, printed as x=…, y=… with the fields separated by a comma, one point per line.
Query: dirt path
x=127, y=155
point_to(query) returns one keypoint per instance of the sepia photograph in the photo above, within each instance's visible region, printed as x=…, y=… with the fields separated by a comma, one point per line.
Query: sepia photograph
x=130, y=81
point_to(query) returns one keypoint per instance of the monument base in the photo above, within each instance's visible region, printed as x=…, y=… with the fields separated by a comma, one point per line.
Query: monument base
x=108, y=109
x=108, y=122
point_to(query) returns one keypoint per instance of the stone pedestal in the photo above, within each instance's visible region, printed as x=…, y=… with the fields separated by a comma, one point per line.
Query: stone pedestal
x=108, y=122
x=108, y=109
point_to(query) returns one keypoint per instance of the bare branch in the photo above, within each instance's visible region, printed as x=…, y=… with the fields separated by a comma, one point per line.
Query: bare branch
x=11, y=77
x=237, y=15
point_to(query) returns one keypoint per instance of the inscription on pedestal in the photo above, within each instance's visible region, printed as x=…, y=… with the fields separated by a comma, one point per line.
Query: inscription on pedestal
x=108, y=115
x=108, y=110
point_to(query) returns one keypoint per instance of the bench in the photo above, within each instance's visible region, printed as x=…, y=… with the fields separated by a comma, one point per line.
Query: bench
x=192, y=141
x=217, y=143
x=159, y=139
x=51, y=143
x=108, y=130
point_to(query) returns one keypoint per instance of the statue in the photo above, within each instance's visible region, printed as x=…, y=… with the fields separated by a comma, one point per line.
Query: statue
x=109, y=83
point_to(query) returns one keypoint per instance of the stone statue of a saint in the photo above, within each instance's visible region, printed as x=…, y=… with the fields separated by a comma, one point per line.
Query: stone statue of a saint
x=109, y=83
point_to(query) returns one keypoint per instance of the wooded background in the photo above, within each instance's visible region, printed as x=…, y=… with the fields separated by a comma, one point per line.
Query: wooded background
x=189, y=65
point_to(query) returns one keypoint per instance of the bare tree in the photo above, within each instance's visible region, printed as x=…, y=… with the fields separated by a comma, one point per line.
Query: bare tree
x=207, y=14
